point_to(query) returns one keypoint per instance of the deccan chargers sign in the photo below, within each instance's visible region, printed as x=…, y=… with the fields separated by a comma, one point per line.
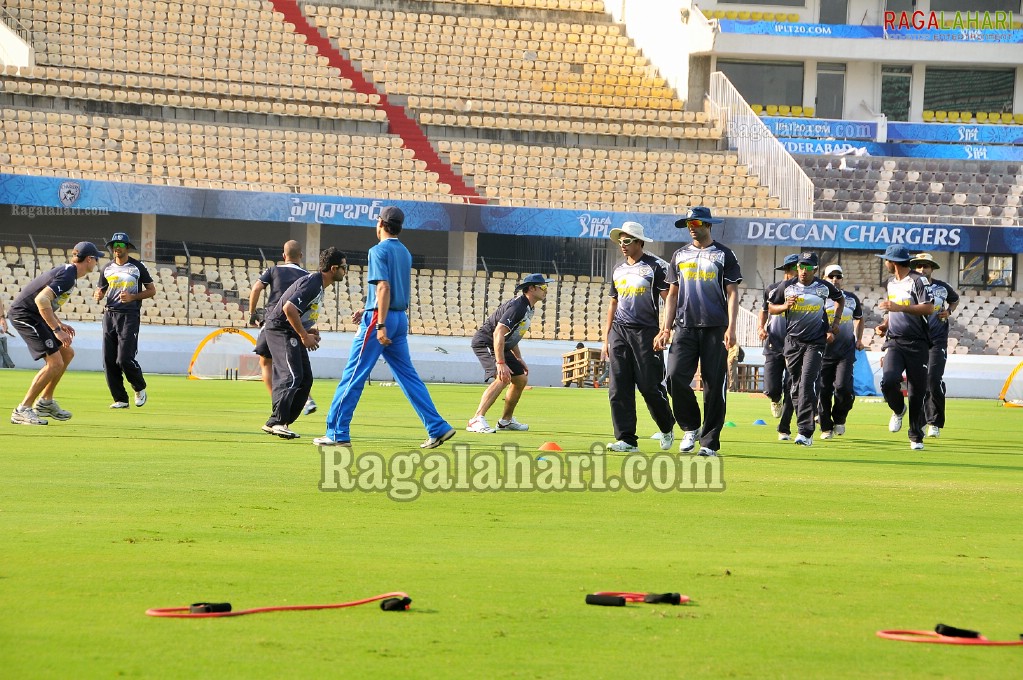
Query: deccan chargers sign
x=869, y=235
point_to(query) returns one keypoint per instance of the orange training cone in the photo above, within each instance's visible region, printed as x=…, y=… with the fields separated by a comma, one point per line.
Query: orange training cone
x=549, y=446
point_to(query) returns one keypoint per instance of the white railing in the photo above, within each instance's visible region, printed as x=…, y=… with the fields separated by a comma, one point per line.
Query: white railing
x=746, y=329
x=759, y=149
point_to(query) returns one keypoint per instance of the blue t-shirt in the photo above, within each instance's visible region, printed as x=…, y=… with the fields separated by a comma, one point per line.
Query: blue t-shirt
x=390, y=261
x=637, y=287
x=515, y=315
x=806, y=320
x=776, y=323
x=944, y=296
x=61, y=280
x=131, y=277
x=279, y=279
x=908, y=329
x=307, y=295
x=845, y=337
x=701, y=275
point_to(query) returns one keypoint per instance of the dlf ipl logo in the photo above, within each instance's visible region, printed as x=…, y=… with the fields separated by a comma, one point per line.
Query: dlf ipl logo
x=936, y=21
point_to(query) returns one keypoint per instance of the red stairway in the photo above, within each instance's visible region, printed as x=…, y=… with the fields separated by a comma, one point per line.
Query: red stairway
x=399, y=122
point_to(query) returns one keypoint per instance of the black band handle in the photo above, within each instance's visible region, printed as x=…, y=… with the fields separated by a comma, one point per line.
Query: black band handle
x=395, y=604
x=606, y=600
x=952, y=631
x=209, y=607
x=662, y=598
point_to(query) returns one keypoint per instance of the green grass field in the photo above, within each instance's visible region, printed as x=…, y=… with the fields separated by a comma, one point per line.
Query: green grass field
x=792, y=568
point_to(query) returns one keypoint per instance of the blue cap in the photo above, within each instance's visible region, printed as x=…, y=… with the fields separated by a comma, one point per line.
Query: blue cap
x=533, y=280
x=896, y=253
x=808, y=257
x=87, y=249
x=121, y=237
x=789, y=261
x=701, y=213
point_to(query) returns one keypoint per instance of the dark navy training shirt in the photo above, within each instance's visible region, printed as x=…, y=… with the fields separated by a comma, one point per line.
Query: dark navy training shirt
x=776, y=323
x=907, y=328
x=132, y=276
x=806, y=319
x=944, y=296
x=307, y=295
x=845, y=337
x=515, y=314
x=279, y=278
x=61, y=280
x=638, y=287
x=701, y=275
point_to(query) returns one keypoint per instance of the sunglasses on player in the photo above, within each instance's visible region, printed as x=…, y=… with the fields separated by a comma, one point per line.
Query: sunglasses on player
x=119, y=244
x=834, y=276
x=626, y=241
x=806, y=267
x=694, y=224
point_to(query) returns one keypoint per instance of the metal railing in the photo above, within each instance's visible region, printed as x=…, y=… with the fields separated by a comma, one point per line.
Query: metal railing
x=15, y=25
x=759, y=149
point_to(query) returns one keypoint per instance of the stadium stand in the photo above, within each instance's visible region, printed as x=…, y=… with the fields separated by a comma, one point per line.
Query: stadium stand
x=916, y=189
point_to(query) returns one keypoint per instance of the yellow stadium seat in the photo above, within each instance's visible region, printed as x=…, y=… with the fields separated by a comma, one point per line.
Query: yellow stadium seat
x=941, y=116
x=929, y=116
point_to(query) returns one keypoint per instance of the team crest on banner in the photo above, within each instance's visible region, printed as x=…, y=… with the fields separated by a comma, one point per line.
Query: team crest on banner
x=69, y=193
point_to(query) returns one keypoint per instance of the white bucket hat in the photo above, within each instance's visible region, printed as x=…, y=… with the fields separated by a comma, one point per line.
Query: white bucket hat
x=633, y=229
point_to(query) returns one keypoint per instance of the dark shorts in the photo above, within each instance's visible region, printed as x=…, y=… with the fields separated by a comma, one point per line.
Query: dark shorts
x=262, y=349
x=36, y=333
x=486, y=356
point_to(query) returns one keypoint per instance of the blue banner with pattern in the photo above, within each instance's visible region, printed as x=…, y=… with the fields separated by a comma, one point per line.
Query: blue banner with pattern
x=955, y=133
x=49, y=195
x=830, y=147
x=849, y=31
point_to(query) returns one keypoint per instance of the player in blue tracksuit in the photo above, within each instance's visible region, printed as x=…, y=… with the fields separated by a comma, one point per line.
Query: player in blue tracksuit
x=802, y=301
x=701, y=307
x=837, y=395
x=125, y=282
x=946, y=300
x=772, y=331
x=383, y=329
x=289, y=329
x=907, y=343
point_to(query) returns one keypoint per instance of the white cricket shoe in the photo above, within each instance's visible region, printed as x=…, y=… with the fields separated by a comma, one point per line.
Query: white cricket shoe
x=932, y=431
x=839, y=430
x=49, y=407
x=434, y=442
x=804, y=441
x=707, y=452
x=784, y=436
x=120, y=404
x=512, y=425
x=310, y=407
x=283, y=432
x=327, y=441
x=688, y=442
x=479, y=424
x=622, y=447
x=25, y=415
x=666, y=439
x=141, y=397
x=895, y=422
x=916, y=446
x=829, y=434
x=776, y=407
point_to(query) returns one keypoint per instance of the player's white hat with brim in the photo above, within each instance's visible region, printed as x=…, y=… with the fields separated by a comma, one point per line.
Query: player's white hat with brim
x=633, y=229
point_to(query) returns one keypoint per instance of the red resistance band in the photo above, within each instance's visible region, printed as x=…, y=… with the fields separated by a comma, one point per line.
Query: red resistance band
x=396, y=601
x=645, y=597
x=935, y=638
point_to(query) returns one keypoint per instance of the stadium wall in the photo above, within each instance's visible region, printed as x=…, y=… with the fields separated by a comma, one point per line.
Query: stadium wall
x=168, y=350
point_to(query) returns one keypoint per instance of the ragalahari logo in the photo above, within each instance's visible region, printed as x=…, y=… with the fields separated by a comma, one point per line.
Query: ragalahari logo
x=936, y=21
